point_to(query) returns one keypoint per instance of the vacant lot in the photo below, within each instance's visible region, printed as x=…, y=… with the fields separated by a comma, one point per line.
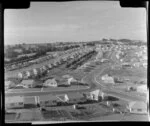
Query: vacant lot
x=133, y=74
x=30, y=115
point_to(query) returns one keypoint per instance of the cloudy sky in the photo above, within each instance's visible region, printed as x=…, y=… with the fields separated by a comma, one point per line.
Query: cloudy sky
x=73, y=21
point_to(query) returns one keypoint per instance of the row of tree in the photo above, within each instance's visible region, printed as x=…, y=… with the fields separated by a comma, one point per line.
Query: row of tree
x=78, y=61
x=84, y=59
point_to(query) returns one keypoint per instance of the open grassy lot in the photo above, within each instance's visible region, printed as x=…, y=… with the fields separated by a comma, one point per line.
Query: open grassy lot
x=30, y=115
x=133, y=74
x=58, y=115
x=87, y=112
x=135, y=117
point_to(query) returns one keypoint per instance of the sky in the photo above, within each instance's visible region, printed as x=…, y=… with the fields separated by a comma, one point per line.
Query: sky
x=46, y=22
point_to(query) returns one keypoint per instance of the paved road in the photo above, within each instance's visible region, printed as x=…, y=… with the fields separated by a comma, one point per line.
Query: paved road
x=90, y=79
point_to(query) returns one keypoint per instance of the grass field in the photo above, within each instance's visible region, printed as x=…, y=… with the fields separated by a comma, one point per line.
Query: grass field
x=133, y=74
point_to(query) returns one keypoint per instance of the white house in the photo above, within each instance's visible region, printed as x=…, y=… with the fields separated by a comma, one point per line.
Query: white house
x=137, y=107
x=107, y=79
x=50, y=82
x=28, y=83
x=94, y=95
x=14, y=102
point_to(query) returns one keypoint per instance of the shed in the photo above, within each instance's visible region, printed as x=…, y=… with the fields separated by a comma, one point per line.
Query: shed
x=138, y=107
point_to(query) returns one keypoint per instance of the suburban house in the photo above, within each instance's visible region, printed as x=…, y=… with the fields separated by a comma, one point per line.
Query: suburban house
x=66, y=80
x=94, y=95
x=107, y=79
x=49, y=65
x=28, y=83
x=50, y=83
x=14, y=102
x=71, y=80
x=20, y=75
x=44, y=68
x=35, y=71
x=55, y=63
x=137, y=107
x=24, y=74
x=28, y=73
x=9, y=84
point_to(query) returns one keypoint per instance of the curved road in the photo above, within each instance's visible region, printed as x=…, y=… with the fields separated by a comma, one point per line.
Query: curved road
x=91, y=79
